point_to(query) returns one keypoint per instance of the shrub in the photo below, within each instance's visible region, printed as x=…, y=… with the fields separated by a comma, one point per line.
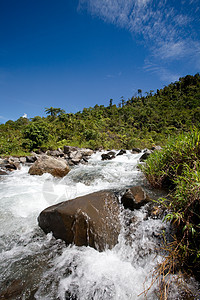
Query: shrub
x=178, y=165
x=162, y=167
x=35, y=134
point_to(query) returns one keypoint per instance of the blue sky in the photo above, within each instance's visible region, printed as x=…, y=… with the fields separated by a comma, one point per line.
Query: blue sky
x=78, y=53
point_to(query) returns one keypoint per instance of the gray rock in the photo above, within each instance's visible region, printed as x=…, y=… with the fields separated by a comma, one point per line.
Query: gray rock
x=86, y=152
x=76, y=155
x=12, y=159
x=22, y=159
x=68, y=149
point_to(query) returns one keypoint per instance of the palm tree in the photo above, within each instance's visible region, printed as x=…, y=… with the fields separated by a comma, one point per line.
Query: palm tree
x=54, y=111
x=139, y=92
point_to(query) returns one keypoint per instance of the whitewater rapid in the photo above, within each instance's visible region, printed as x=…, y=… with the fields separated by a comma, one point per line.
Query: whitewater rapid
x=43, y=268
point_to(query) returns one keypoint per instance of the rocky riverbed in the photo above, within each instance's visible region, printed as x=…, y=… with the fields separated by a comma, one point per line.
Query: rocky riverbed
x=35, y=265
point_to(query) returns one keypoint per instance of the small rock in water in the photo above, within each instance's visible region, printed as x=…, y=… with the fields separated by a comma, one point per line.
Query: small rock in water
x=121, y=152
x=145, y=155
x=108, y=156
x=136, y=150
x=134, y=198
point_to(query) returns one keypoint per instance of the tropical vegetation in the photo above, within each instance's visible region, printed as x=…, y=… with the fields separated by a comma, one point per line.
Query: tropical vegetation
x=177, y=166
x=141, y=121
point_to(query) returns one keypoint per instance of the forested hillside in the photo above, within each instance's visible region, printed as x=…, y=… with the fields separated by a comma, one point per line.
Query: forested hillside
x=141, y=121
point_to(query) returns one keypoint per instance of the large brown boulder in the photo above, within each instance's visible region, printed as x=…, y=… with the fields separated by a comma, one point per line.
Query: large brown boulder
x=134, y=198
x=46, y=164
x=91, y=220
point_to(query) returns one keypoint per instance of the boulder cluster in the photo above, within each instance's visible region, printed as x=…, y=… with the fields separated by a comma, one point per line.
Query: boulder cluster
x=9, y=164
x=55, y=162
x=91, y=220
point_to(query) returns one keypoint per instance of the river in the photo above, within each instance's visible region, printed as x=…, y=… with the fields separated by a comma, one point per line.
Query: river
x=36, y=266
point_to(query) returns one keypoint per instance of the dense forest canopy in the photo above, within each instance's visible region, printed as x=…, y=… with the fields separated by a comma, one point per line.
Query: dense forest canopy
x=137, y=122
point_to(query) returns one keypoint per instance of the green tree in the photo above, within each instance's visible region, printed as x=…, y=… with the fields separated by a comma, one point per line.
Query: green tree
x=54, y=112
x=139, y=92
x=35, y=135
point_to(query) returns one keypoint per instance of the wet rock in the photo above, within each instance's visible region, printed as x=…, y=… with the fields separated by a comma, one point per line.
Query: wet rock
x=84, y=160
x=22, y=159
x=91, y=220
x=70, y=163
x=68, y=149
x=13, y=163
x=3, y=172
x=10, y=164
x=31, y=158
x=134, y=198
x=86, y=152
x=108, y=156
x=55, y=153
x=13, y=291
x=3, y=161
x=13, y=159
x=121, y=152
x=136, y=150
x=45, y=164
x=76, y=161
x=76, y=155
x=13, y=166
x=145, y=155
x=40, y=151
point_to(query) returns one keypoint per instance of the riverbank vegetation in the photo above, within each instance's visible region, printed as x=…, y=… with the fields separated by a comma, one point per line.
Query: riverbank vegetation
x=141, y=121
x=177, y=166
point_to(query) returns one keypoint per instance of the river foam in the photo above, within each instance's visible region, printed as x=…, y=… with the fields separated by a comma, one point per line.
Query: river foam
x=45, y=268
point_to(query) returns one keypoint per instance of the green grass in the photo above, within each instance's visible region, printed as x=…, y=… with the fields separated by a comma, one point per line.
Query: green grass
x=164, y=166
x=177, y=166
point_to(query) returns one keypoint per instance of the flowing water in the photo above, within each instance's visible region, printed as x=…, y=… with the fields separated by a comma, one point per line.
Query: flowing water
x=36, y=266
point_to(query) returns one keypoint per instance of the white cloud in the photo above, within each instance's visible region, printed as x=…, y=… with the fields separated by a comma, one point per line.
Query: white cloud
x=171, y=50
x=153, y=19
x=167, y=31
x=162, y=72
